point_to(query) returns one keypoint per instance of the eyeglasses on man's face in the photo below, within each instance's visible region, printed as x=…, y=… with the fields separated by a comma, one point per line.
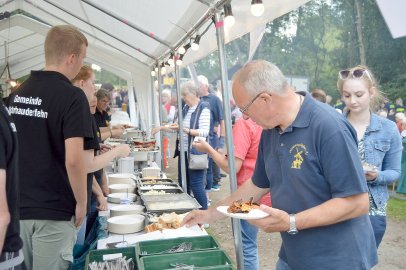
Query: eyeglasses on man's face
x=246, y=107
x=355, y=73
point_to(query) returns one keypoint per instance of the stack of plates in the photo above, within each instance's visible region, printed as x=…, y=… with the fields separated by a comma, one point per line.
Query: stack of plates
x=130, y=209
x=122, y=188
x=121, y=197
x=121, y=178
x=126, y=224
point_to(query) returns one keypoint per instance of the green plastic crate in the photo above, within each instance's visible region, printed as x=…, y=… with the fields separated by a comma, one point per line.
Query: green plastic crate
x=97, y=255
x=215, y=259
x=158, y=246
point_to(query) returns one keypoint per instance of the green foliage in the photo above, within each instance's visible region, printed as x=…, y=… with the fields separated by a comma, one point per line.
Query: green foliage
x=319, y=39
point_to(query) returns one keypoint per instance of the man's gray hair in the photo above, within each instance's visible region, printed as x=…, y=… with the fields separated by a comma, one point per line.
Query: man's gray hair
x=189, y=87
x=261, y=76
x=102, y=93
x=203, y=80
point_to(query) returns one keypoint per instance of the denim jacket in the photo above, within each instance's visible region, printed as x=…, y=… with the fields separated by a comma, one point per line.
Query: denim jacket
x=383, y=148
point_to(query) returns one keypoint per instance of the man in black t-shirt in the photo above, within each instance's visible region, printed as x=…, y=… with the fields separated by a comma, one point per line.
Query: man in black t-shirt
x=11, y=255
x=53, y=121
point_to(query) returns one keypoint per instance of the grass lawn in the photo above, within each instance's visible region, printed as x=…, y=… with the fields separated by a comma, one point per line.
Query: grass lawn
x=397, y=209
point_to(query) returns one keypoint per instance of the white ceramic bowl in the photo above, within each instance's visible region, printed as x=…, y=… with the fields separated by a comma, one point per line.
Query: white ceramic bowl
x=126, y=224
x=122, y=188
x=121, y=178
x=118, y=197
x=126, y=209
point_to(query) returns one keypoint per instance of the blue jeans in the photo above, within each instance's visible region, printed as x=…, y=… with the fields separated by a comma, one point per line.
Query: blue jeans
x=282, y=265
x=249, y=243
x=379, y=227
x=195, y=180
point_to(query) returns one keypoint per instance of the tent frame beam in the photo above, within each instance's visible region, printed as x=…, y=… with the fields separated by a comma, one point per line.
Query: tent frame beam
x=101, y=30
x=126, y=22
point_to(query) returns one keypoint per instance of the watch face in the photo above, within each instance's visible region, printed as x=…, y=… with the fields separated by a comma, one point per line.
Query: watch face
x=292, y=231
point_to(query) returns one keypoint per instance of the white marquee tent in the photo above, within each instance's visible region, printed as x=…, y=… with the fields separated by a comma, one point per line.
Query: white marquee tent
x=129, y=37
x=126, y=37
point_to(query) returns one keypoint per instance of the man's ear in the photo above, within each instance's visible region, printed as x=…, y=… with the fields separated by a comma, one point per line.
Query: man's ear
x=70, y=58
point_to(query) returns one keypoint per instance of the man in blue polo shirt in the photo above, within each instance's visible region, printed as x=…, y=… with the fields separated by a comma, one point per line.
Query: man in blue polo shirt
x=308, y=159
x=216, y=118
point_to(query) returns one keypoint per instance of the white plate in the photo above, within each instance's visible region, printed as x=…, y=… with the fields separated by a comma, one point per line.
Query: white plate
x=253, y=214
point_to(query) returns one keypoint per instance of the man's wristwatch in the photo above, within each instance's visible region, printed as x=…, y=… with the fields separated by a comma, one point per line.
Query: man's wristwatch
x=292, y=225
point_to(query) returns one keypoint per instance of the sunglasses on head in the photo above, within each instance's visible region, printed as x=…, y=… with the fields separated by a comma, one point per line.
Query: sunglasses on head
x=355, y=73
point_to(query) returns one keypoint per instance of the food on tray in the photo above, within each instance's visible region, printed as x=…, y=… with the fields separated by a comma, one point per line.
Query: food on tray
x=156, y=206
x=144, y=144
x=156, y=182
x=174, y=125
x=154, y=192
x=242, y=207
x=166, y=221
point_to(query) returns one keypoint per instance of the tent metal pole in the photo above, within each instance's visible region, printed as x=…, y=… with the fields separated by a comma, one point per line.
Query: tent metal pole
x=125, y=21
x=180, y=121
x=160, y=116
x=229, y=137
x=101, y=30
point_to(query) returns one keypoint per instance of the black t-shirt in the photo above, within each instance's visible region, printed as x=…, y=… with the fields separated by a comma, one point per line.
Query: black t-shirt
x=91, y=144
x=8, y=162
x=47, y=109
x=102, y=118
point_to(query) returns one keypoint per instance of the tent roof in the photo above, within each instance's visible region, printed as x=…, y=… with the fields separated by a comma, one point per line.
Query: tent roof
x=123, y=35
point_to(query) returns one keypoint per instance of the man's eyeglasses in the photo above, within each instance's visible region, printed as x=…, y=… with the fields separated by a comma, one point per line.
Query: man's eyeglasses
x=355, y=73
x=245, y=108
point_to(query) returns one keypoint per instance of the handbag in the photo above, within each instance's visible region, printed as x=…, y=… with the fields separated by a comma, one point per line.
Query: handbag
x=197, y=162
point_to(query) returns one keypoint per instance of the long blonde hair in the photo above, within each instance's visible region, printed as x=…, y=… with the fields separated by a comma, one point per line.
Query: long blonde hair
x=369, y=79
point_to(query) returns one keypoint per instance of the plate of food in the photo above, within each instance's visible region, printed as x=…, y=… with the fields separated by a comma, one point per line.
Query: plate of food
x=174, y=126
x=243, y=210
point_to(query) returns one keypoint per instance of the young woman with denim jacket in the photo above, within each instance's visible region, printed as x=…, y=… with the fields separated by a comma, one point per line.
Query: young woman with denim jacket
x=379, y=142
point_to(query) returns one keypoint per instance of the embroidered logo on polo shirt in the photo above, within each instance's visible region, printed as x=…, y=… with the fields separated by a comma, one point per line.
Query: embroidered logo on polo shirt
x=298, y=151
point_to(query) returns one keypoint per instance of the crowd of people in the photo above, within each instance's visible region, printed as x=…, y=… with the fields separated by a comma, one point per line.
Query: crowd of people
x=321, y=175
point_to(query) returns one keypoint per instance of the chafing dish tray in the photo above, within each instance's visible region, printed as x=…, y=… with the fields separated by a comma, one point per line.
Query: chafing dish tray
x=147, y=192
x=159, y=186
x=172, y=205
x=166, y=197
x=157, y=181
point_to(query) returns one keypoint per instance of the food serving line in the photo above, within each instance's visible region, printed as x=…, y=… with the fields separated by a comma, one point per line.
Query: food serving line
x=143, y=221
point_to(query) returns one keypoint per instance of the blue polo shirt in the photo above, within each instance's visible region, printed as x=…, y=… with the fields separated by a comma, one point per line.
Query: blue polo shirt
x=216, y=110
x=313, y=161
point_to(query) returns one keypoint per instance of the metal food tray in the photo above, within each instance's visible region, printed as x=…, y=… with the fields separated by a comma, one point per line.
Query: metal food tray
x=176, y=190
x=158, y=186
x=172, y=205
x=158, y=181
x=165, y=197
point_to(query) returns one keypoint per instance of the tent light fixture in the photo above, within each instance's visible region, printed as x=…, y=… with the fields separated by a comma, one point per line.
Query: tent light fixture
x=257, y=8
x=163, y=68
x=229, y=19
x=179, y=60
x=181, y=50
x=170, y=60
x=153, y=73
x=195, y=43
x=12, y=83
